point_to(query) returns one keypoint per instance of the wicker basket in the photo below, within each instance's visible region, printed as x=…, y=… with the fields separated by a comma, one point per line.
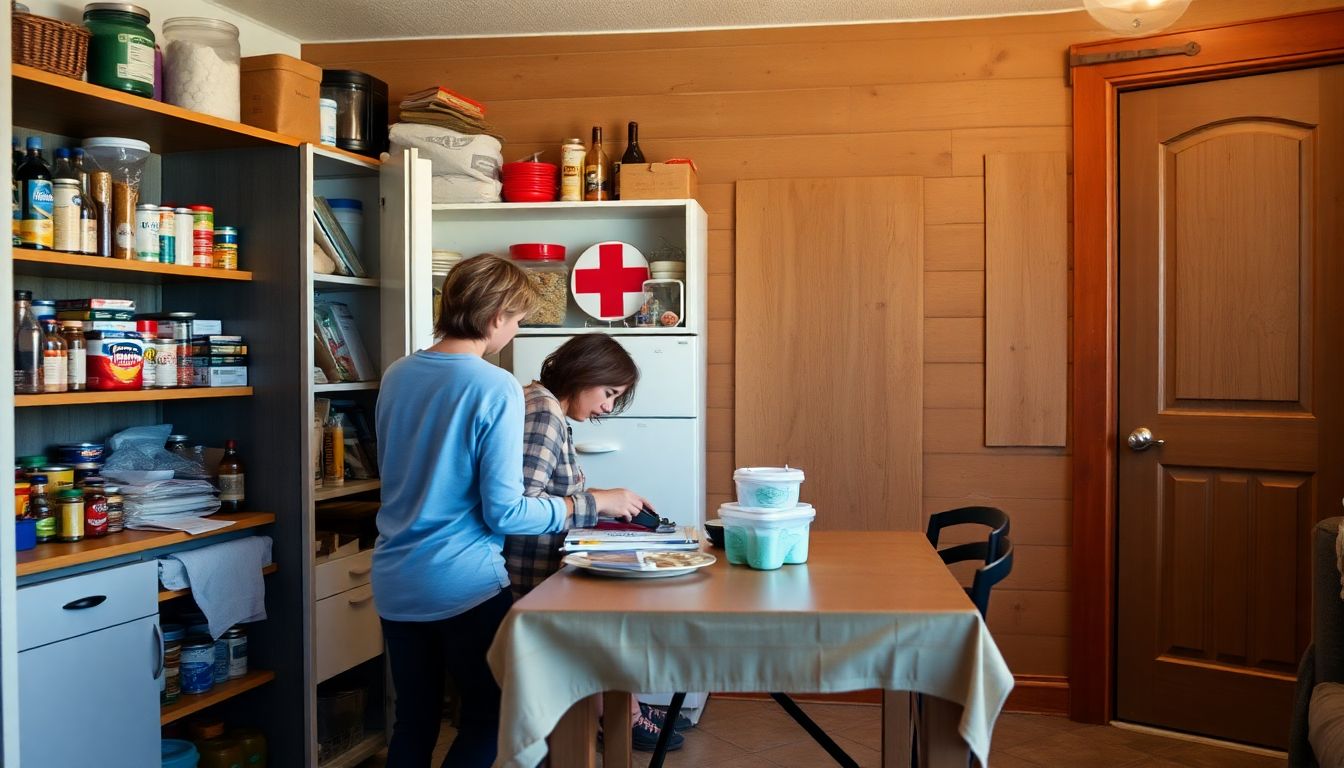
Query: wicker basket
x=50, y=45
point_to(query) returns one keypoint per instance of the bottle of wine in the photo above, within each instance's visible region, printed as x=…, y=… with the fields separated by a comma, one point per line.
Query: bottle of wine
x=596, y=184
x=633, y=154
x=231, y=493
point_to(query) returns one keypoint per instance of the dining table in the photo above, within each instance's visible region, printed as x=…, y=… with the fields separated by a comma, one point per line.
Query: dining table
x=868, y=610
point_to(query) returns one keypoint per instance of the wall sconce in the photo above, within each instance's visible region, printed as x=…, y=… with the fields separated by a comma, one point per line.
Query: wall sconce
x=1136, y=17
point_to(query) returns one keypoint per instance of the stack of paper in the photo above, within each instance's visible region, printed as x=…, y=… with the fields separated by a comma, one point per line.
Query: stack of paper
x=593, y=540
x=175, y=505
x=446, y=109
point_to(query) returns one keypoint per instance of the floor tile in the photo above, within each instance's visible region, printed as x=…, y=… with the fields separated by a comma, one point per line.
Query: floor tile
x=806, y=753
x=1076, y=751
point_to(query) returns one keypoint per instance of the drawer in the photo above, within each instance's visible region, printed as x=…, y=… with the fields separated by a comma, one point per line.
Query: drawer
x=66, y=608
x=343, y=573
x=670, y=373
x=348, y=631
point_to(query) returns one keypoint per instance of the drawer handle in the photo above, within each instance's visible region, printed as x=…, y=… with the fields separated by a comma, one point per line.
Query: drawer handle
x=360, y=572
x=361, y=600
x=160, y=650
x=596, y=447
x=92, y=601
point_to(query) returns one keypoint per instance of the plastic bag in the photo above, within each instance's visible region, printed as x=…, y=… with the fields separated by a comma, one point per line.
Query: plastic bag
x=141, y=448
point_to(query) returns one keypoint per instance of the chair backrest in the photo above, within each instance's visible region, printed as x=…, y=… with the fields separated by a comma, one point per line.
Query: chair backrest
x=989, y=574
x=992, y=517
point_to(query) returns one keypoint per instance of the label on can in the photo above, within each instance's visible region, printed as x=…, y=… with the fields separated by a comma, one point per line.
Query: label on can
x=139, y=59
x=571, y=172
x=237, y=657
x=203, y=237
x=95, y=517
x=167, y=236
x=38, y=208
x=65, y=217
x=147, y=233
x=71, y=523
x=147, y=370
x=226, y=255
x=197, y=670
x=165, y=363
x=182, y=231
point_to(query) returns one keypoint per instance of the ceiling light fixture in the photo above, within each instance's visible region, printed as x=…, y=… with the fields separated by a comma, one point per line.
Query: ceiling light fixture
x=1136, y=17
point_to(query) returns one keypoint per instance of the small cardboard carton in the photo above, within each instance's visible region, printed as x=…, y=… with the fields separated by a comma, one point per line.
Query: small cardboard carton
x=657, y=181
x=280, y=93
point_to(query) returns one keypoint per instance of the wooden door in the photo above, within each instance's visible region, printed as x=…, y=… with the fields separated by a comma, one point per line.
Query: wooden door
x=1230, y=352
x=829, y=355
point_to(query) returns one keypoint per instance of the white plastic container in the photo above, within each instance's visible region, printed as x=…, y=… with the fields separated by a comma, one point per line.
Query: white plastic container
x=349, y=214
x=766, y=539
x=768, y=487
x=327, y=121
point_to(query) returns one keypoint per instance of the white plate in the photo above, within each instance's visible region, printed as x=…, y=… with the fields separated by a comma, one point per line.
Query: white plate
x=582, y=561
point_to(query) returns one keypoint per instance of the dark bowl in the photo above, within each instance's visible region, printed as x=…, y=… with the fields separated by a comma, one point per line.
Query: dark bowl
x=714, y=530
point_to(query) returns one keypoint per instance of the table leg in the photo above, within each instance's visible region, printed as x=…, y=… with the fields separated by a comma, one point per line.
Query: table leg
x=573, y=742
x=898, y=743
x=616, y=730
x=940, y=743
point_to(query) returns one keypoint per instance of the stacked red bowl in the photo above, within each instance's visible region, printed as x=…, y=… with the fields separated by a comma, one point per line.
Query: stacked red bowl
x=529, y=182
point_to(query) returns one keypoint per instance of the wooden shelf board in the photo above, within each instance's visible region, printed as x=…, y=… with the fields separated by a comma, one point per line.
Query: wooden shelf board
x=50, y=557
x=78, y=109
x=345, y=386
x=76, y=266
x=172, y=594
x=191, y=703
x=129, y=396
x=367, y=282
x=357, y=754
x=346, y=156
x=348, y=488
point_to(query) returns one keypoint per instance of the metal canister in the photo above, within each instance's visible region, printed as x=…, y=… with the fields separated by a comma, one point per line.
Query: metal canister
x=165, y=363
x=95, y=511
x=85, y=470
x=70, y=515
x=226, y=248
x=65, y=215
x=571, y=169
x=116, y=509
x=181, y=326
x=59, y=476
x=202, y=235
x=183, y=230
x=148, y=329
x=147, y=232
x=236, y=638
x=198, y=664
x=167, y=235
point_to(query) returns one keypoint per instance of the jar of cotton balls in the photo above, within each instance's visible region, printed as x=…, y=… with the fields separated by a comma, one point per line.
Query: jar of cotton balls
x=200, y=61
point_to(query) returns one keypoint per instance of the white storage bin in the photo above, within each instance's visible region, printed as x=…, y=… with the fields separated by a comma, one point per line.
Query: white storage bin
x=766, y=539
x=768, y=487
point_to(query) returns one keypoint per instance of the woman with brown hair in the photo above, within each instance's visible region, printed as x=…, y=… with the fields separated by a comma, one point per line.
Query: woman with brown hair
x=587, y=378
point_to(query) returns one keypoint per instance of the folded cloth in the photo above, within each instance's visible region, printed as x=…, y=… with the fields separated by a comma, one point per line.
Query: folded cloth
x=225, y=580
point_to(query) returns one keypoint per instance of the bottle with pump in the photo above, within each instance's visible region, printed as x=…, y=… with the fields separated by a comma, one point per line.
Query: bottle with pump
x=27, y=346
x=596, y=183
x=231, y=489
x=633, y=156
x=37, y=204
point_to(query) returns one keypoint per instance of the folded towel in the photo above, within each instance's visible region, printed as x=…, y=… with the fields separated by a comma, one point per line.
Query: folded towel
x=225, y=579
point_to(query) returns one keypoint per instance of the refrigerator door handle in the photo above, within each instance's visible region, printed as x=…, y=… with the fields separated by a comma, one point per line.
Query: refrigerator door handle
x=158, y=646
x=596, y=447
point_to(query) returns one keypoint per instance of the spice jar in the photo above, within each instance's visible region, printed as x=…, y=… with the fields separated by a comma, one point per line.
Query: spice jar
x=116, y=509
x=170, y=685
x=70, y=515
x=226, y=248
x=95, y=511
x=545, y=264
x=121, y=47
x=201, y=58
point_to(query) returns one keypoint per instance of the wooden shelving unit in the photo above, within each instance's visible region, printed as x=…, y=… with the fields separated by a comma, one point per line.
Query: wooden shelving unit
x=188, y=704
x=49, y=557
x=129, y=396
x=75, y=266
x=349, y=488
x=172, y=594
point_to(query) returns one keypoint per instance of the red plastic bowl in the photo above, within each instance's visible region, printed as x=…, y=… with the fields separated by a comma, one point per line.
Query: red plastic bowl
x=537, y=251
x=536, y=169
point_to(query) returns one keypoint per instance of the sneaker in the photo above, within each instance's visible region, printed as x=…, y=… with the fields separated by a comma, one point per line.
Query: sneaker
x=644, y=736
x=658, y=715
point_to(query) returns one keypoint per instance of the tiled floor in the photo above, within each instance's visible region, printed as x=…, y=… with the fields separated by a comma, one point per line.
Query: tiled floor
x=757, y=734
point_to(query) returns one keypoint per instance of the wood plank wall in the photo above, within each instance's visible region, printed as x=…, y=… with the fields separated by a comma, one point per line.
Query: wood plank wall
x=928, y=99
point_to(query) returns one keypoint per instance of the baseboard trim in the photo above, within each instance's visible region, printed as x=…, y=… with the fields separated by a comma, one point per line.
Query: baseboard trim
x=1036, y=694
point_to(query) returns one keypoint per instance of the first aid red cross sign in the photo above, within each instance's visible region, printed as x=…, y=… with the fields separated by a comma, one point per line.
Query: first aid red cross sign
x=617, y=282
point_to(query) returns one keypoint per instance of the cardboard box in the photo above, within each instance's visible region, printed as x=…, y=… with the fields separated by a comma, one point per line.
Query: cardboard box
x=657, y=181
x=280, y=93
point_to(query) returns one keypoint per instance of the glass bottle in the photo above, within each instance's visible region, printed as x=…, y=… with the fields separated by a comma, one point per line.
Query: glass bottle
x=88, y=209
x=39, y=508
x=596, y=184
x=76, y=368
x=27, y=346
x=231, y=493
x=633, y=155
x=63, y=169
x=54, y=359
x=35, y=199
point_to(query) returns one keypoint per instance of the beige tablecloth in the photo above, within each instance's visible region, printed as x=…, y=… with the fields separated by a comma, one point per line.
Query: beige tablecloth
x=868, y=610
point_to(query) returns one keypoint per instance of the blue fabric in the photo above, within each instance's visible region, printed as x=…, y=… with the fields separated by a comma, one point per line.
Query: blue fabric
x=450, y=452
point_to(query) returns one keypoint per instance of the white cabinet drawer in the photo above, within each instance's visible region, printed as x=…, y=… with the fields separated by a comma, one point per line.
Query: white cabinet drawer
x=669, y=374
x=348, y=631
x=659, y=459
x=343, y=573
x=65, y=608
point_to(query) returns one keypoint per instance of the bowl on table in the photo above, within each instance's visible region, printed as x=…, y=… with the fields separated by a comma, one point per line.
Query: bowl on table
x=714, y=531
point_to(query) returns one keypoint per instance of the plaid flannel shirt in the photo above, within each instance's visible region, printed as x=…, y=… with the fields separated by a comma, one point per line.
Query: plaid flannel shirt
x=550, y=468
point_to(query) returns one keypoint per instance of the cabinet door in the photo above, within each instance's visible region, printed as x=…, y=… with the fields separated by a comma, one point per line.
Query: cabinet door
x=670, y=381
x=92, y=699
x=405, y=280
x=657, y=458
x=348, y=631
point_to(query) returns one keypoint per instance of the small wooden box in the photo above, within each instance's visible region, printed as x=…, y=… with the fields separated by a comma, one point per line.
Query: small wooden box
x=657, y=181
x=280, y=93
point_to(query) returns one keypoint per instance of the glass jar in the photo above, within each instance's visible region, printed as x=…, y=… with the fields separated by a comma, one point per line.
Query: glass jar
x=70, y=515
x=551, y=276
x=664, y=304
x=95, y=511
x=170, y=685
x=201, y=59
x=121, y=47
x=76, y=368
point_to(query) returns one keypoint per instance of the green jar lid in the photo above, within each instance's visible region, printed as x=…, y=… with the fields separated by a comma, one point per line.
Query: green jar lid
x=117, y=7
x=30, y=462
x=71, y=494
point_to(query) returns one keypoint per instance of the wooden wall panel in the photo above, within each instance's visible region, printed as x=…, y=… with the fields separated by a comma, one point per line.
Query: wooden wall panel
x=885, y=99
x=863, y=461
x=1026, y=301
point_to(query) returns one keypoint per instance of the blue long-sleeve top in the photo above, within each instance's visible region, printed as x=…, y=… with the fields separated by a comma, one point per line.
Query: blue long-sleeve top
x=450, y=452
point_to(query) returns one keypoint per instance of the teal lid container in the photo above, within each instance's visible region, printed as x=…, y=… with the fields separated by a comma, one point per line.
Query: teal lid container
x=179, y=754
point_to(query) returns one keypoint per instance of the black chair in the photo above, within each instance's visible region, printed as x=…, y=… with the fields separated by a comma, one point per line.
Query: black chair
x=989, y=574
x=991, y=517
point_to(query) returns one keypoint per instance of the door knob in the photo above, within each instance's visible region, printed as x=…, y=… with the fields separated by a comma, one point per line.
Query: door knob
x=1141, y=439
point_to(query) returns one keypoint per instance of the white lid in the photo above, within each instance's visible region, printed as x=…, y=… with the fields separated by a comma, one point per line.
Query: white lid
x=784, y=474
x=115, y=142
x=667, y=266
x=734, y=511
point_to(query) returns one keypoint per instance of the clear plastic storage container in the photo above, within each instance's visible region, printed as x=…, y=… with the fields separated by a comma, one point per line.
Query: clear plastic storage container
x=201, y=62
x=766, y=539
x=545, y=262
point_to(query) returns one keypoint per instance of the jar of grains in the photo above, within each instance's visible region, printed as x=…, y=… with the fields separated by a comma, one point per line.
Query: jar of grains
x=545, y=263
x=201, y=59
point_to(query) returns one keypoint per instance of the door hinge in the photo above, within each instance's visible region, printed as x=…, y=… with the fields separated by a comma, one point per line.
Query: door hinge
x=1088, y=59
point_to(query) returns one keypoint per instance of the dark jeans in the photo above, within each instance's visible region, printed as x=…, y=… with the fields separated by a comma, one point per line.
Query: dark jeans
x=420, y=652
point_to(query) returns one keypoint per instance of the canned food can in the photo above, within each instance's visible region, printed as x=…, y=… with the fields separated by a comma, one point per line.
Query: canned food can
x=571, y=169
x=146, y=232
x=165, y=363
x=183, y=223
x=236, y=638
x=167, y=235
x=70, y=515
x=198, y=665
x=58, y=475
x=202, y=235
x=226, y=248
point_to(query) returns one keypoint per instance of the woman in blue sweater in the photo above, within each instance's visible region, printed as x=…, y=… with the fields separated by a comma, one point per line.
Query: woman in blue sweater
x=450, y=438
